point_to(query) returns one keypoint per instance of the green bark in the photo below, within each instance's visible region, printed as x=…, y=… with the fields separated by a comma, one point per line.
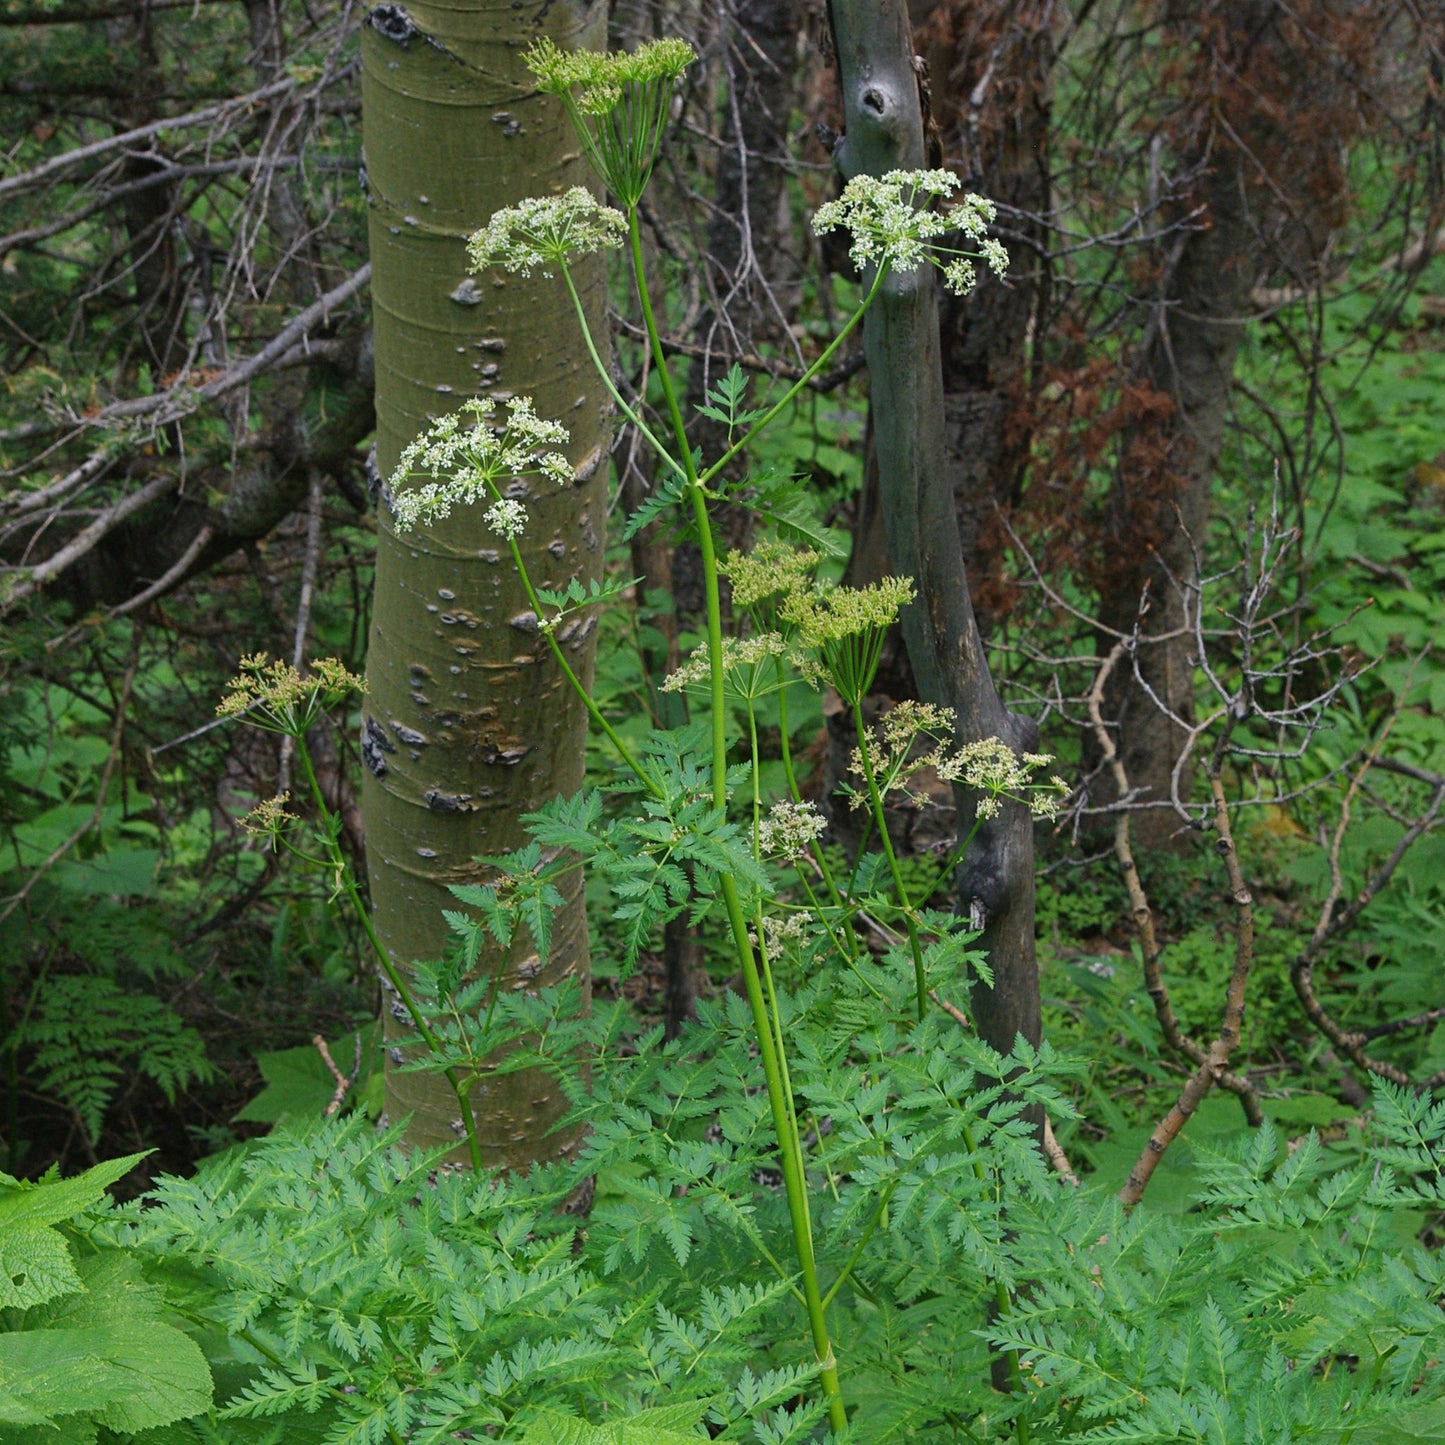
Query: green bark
x=468, y=723
x=901, y=341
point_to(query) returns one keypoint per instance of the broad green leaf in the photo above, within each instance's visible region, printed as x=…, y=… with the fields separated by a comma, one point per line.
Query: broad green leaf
x=126, y=872
x=35, y=1266
x=298, y=1083
x=130, y=1377
x=54, y=1200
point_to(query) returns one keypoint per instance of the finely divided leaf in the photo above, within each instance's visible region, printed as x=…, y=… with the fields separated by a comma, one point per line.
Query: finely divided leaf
x=651, y=1427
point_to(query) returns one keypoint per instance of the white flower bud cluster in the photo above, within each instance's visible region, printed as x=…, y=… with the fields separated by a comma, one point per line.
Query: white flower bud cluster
x=778, y=933
x=546, y=230
x=507, y=518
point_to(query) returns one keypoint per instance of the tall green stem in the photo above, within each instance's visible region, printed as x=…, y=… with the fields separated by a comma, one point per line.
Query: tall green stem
x=784, y=1124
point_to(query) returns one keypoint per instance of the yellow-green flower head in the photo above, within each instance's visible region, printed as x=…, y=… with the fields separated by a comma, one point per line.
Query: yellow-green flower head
x=741, y=659
x=599, y=78
x=845, y=627
x=546, y=230
x=892, y=225
x=270, y=820
x=771, y=569
x=473, y=456
x=834, y=614
x=276, y=697
x=618, y=105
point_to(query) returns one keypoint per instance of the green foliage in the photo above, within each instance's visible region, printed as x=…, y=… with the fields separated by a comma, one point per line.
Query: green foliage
x=88, y=1034
x=828, y=1146
x=300, y=1086
x=86, y=952
x=725, y=402
x=370, y=1290
x=85, y=1341
x=649, y=1427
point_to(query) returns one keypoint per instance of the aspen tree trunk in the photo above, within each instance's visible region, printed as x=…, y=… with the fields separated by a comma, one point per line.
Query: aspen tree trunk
x=901, y=342
x=467, y=722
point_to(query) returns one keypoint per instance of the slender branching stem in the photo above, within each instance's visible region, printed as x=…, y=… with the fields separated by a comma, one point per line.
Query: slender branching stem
x=394, y=977
x=875, y=801
x=880, y=1213
x=828, y=353
x=595, y=712
x=844, y=941
x=605, y=376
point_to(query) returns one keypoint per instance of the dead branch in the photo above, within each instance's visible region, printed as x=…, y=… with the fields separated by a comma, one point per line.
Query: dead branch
x=1212, y=1069
x=1149, y=946
x=44, y=174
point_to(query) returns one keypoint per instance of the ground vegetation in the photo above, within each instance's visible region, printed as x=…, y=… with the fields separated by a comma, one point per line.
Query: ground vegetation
x=1016, y=1007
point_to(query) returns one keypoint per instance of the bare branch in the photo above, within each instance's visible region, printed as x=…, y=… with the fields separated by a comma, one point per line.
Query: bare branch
x=1149, y=946
x=1212, y=1068
x=45, y=173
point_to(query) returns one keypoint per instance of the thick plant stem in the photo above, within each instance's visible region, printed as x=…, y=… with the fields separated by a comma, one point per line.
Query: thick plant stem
x=393, y=977
x=785, y=1127
x=795, y=1186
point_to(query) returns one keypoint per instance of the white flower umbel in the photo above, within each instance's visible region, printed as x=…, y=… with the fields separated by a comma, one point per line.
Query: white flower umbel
x=507, y=518
x=472, y=456
x=892, y=225
x=780, y=933
x=999, y=773
x=545, y=231
x=789, y=828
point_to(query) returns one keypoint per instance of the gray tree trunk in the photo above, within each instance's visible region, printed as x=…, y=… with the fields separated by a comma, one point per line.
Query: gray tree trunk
x=901, y=339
